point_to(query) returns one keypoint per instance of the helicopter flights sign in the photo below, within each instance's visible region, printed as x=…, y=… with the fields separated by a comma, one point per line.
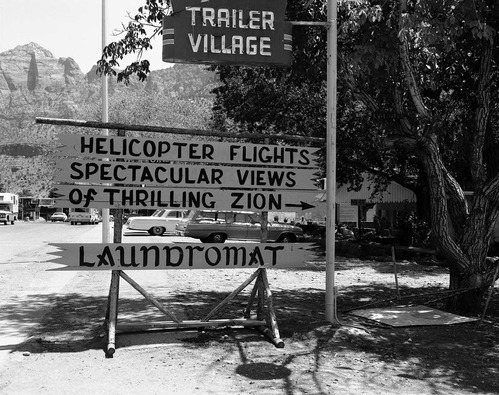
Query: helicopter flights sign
x=218, y=184
x=228, y=32
x=123, y=148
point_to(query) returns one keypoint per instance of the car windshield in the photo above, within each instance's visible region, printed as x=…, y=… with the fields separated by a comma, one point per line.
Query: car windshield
x=58, y=213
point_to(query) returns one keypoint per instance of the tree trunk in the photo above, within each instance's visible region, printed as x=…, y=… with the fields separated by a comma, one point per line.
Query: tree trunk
x=464, y=255
x=468, y=298
x=471, y=287
x=423, y=198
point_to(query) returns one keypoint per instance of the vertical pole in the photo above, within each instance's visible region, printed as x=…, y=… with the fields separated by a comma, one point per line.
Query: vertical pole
x=113, y=312
x=106, y=234
x=395, y=272
x=331, y=161
x=105, y=118
x=115, y=281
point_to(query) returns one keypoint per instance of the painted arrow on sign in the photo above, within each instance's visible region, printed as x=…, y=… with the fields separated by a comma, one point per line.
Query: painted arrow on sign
x=187, y=198
x=114, y=147
x=127, y=256
x=189, y=175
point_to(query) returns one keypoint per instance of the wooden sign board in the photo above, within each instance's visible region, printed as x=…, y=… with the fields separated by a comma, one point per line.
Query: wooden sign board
x=186, y=198
x=114, y=147
x=189, y=175
x=228, y=32
x=98, y=256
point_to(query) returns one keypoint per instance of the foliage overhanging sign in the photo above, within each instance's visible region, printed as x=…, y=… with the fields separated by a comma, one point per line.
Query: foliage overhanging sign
x=228, y=32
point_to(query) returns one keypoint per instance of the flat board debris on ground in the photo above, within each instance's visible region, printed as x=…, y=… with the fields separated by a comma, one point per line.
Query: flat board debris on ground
x=400, y=316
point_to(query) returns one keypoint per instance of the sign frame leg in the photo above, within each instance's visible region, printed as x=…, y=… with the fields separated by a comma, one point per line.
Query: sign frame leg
x=271, y=330
x=113, y=312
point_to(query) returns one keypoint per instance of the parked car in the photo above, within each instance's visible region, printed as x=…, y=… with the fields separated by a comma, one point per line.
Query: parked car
x=160, y=222
x=212, y=226
x=58, y=217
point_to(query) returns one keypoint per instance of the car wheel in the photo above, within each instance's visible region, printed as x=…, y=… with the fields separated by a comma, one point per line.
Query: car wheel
x=217, y=238
x=156, y=231
x=287, y=238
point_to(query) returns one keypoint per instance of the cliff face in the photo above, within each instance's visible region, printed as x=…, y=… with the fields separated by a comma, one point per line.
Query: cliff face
x=35, y=83
x=30, y=67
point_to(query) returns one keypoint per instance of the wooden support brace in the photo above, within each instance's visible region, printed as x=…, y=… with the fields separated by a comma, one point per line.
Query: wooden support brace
x=149, y=297
x=260, y=308
x=130, y=327
x=232, y=295
x=247, y=311
x=265, y=321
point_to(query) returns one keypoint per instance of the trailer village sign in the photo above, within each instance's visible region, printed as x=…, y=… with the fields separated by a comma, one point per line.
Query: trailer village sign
x=229, y=32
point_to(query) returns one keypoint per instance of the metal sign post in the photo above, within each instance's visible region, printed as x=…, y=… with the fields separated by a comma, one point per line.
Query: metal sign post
x=106, y=233
x=331, y=161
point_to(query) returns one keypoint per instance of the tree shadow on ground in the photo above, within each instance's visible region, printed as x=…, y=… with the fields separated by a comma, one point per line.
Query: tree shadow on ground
x=410, y=269
x=464, y=354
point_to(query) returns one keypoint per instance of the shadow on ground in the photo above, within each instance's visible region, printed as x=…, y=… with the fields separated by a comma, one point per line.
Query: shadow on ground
x=466, y=354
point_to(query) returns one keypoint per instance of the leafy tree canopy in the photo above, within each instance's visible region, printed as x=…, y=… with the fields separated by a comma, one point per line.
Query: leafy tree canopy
x=417, y=103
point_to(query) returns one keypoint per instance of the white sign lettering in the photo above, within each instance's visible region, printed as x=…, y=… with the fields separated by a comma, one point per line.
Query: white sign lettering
x=237, y=19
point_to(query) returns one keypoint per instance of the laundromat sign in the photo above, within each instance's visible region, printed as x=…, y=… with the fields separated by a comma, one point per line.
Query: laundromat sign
x=228, y=32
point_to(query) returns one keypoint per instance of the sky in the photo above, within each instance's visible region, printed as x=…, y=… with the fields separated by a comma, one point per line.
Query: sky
x=69, y=28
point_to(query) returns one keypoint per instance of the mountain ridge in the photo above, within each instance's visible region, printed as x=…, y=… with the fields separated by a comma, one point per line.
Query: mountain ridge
x=34, y=83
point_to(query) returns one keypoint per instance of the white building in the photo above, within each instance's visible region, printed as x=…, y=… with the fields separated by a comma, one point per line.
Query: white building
x=350, y=205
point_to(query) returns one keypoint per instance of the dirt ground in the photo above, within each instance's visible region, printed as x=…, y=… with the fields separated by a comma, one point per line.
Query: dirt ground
x=65, y=353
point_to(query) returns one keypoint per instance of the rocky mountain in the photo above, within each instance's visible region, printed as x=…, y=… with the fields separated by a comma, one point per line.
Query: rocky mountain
x=33, y=83
x=32, y=67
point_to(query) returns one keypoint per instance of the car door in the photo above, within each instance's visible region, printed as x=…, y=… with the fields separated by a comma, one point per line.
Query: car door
x=204, y=224
x=171, y=218
x=237, y=226
x=254, y=227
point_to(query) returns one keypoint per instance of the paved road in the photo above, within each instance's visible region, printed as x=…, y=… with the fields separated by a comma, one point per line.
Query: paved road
x=25, y=282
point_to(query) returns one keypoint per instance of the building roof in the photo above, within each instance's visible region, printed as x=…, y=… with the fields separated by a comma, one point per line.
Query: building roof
x=394, y=193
